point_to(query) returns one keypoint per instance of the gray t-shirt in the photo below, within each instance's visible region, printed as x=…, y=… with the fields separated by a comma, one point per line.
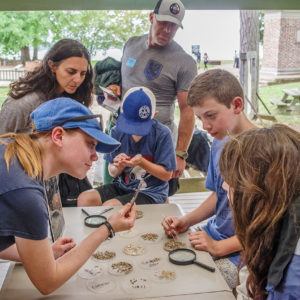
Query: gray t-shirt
x=14, y=114
x=164, y=70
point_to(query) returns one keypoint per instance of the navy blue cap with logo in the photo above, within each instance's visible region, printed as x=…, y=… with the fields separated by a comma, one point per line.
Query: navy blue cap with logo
x=137, y=112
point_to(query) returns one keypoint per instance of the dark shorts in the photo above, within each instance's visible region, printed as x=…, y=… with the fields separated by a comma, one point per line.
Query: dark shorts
x=113, y=191
x=173, y=186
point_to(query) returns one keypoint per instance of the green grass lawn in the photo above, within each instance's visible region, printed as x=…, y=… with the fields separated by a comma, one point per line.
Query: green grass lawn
x=275, y=91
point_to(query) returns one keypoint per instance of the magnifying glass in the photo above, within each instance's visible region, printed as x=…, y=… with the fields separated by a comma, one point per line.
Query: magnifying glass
x=93, y=221
x=184, y=256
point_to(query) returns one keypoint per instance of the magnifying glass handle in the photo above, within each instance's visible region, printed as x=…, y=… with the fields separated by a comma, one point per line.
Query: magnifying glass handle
x=211, y=269
x=84, y=211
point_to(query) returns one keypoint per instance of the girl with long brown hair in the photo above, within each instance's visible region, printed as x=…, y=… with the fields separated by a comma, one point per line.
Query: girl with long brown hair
x=261, y=171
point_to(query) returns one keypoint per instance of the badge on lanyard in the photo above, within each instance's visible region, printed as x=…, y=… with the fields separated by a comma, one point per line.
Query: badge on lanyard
x=130, y=62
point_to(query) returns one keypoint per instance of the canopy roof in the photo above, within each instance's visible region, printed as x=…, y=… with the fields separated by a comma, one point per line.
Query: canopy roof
x=12, y=5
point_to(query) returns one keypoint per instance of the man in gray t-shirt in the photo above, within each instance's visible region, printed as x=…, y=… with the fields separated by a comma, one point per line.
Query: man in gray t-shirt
x=159, y=63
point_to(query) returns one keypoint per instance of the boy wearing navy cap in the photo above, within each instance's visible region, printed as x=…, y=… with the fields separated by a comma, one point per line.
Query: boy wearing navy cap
x=146, y=154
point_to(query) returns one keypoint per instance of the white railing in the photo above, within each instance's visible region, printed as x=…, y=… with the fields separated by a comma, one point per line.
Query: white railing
x=11, y=75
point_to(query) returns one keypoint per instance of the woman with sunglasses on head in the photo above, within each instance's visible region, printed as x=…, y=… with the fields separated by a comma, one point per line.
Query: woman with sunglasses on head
x=261, y=171
x=66, y=137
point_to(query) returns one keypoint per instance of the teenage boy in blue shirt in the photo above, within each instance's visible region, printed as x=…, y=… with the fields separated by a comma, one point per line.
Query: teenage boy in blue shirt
x=217, y=99
x=146, y=154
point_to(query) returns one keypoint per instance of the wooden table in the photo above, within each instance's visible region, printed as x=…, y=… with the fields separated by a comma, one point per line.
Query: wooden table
x=192, y=282
x=290, y=99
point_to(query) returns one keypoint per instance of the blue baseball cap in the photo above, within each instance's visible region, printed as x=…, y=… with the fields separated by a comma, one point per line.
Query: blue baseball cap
x=137, y=112
x=68, y=113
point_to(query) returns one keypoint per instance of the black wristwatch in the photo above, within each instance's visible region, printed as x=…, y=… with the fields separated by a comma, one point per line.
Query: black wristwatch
x=110, y=229
x=182, y=154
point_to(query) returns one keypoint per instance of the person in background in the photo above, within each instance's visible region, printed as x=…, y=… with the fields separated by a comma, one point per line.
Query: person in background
x=65, y=138
x=146, y=155
x=216, y=97
x=205, y=60
x=261, y=171
x=157, y=62
x=236, y=60
x=198, y=59
x=64, y=71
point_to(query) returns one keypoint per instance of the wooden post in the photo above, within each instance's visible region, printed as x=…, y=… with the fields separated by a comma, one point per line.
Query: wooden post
x=248, y=79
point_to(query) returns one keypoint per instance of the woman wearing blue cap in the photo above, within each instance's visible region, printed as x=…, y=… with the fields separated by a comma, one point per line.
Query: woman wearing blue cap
x=66, y=137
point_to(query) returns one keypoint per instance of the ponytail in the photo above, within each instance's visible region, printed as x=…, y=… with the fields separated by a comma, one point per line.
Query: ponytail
x=26, y=149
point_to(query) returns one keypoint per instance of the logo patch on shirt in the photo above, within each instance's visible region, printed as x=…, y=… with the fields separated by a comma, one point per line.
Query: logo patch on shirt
x=130, y=62
x=174, y=8
x=153, y=69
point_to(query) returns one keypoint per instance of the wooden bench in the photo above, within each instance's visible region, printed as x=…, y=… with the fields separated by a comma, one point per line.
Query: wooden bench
x=278, y=102
x=290, y=100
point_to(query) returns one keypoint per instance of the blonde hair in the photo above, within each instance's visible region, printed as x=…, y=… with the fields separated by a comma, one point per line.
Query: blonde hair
x=26, y=149
x=262, y=166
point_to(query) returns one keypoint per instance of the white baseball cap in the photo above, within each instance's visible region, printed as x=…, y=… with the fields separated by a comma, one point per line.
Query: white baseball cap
x=170, y=11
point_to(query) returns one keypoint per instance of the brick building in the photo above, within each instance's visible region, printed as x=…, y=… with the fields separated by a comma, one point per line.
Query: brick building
x=281, y=54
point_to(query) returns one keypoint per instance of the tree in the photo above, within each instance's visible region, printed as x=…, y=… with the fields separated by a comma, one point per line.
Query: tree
x=97, y=30
x=21, y=30
x=249, y=42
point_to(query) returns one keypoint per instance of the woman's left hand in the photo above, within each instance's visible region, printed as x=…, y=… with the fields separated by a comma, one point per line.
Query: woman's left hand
x=201, y=241
x=62, y=246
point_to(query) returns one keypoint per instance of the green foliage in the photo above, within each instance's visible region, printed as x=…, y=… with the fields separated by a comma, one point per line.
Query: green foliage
x=97, y=30
x=21, y=29
x=101, y=30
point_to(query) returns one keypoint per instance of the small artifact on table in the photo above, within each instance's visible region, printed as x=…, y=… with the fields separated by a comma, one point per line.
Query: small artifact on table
x=136, y=285
x=139, y=214
x=100, y=285
x=151, y=263
x=173, y=244
x=129, y=233
x=134, y=249
x=89, y=272
x=121, y=268
x=152, y=237
x=104, y=255
x=164, y=275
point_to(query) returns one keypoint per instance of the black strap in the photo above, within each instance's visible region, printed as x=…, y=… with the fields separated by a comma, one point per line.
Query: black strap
x=110, y=229
x=79, y=118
